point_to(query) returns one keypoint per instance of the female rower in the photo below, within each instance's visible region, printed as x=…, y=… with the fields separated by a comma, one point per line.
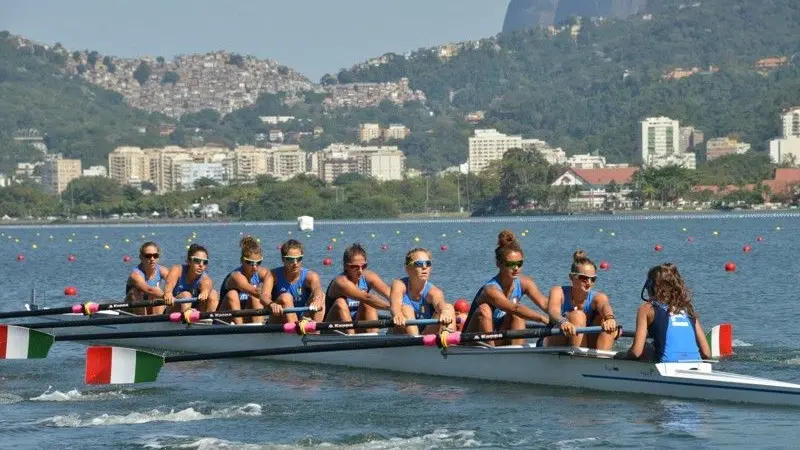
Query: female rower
x=496, y=306
x=348, y=295
x=578, y=305
x=295, y=286
x=191, y=280
x=241, y=289
x=414, y=297
x=669, y=318
x=145, y=281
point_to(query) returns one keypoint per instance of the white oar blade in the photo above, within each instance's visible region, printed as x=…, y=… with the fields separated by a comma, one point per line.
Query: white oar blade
x=119, y=365
x=23, y=343
x=720, y=339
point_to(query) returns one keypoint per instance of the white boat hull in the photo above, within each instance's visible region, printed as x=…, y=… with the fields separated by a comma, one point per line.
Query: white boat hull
x=568, y=366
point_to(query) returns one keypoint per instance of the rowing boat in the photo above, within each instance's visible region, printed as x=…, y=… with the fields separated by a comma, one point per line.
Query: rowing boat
x=553, y=366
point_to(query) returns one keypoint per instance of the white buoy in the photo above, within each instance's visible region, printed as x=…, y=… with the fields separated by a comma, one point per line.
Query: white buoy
x=305, y=223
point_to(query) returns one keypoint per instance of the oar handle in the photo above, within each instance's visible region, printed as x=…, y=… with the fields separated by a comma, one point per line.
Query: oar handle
x=622, y=333
x=90, y=308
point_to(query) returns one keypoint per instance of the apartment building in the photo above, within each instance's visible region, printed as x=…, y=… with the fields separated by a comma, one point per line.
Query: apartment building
x=718, y=147
x=369, y=131
x=786, y=149
x=790, y=119
x=660, y=144
x=395, y=131
x=489, y=145
x=379, y=162
x=57, y=172
x=554, y=156
x=127, y=165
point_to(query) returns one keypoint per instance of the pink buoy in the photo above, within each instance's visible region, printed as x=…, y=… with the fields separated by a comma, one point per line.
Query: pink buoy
x=461, y=305
x=659, y=247
x=443, y=248
x=71, y=258
x=327, y=262
x=384, y=247
x=604, y=265
x=126, y=258
x=20, y=257
x=760, y=238
x=329, y=247
x=690, y=239
x=730, y=266
x=747, y=248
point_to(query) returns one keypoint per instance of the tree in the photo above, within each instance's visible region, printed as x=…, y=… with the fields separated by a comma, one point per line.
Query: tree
x=91, y=58
x=170, y=77
x=236, y=60
x=160, y=60
x=205, y=182
x=327, y=80
x=283, y=70
x=109, y=63
x=76, y=56
x=93, y=190
x=142, y=73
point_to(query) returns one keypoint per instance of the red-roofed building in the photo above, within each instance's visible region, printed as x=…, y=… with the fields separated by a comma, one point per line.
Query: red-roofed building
x=593, y=183
x=785, y=181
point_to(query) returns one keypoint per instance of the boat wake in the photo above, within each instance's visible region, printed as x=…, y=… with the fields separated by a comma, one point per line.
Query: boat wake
x=436, y=439
x=738, y=343
x=75, y=395
x=7, y=399
x=155, y=415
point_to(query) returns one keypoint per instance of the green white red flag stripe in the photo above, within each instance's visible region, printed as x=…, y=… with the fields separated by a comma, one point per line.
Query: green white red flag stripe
x=23, y=343
x=117, y=365
x=720, y=339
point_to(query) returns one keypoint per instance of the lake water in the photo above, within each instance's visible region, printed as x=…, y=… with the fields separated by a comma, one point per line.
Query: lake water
x=256, y=404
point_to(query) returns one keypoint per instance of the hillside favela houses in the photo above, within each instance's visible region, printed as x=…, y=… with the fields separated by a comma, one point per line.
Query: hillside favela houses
x=174, y=168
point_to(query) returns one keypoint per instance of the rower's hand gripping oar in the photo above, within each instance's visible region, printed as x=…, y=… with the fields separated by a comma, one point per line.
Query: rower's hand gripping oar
x=119, y=365
x=89, y=308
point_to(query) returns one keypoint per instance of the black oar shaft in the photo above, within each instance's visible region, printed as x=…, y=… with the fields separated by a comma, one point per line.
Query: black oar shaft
x=68, y=309
x=93, y=321
x=204, y=331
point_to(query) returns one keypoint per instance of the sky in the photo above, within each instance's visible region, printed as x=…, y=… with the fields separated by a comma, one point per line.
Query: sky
x=313, y=37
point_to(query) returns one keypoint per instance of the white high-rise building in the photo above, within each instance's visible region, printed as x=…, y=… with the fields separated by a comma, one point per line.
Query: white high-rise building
x=489, y=145
x=791, y=122
x=660, y=139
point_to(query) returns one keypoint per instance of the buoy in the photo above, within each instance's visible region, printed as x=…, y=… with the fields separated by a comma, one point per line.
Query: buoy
x=106, y=246
x=730, y=266
x=461, y=305
x=278, y=247
x=126, y=258
x=444, y=234
x=443, y=247
x=604, y=265
x=746, y=248
x=372, y=235
x=384, y=247
x=683, y=229
x=34, y=246
x=398, y=231
x=327, y=262
x=659, y=247
x=341, y=233
x=71, y=258
x=69, y=239
x=330, y=247
x=613, y=233
x=416, y=238
x=97, y=237
x=760, y=238
x=70, y=291
x=690, y=239
x=127, y=240
x=333, y=239
x=777, y=228
x=599, y=230
x=523, y=234
x=458, y=231
x=290, y=233
x=20, y=257
x=715, y=233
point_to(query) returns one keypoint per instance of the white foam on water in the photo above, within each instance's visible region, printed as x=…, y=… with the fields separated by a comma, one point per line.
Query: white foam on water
x=155, y=415
x=738, y=343
x=435, y=439
x=7, y=399
x=793, y=361
x=576, y=443
x=76, y=395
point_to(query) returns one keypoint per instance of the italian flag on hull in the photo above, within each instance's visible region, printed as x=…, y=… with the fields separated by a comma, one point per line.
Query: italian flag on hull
x=23, y=343
x=117, y=365
x=720, y=339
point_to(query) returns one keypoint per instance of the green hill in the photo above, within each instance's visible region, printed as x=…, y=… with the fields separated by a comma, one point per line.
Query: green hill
x=588, y=90
x=76, y=118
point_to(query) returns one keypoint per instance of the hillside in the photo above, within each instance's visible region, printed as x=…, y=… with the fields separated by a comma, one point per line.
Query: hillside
x=523, y=14
x=586, y=86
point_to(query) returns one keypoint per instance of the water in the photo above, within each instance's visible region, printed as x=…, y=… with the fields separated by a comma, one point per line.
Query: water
x=256, y=404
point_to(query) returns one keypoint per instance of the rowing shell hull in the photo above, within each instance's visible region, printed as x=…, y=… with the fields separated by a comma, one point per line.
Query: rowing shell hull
x=568, y=366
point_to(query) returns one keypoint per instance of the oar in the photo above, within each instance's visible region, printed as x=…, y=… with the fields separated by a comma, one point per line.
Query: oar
x=18, y=342
x=720, y=338
x=119, y=365
x=89, y=308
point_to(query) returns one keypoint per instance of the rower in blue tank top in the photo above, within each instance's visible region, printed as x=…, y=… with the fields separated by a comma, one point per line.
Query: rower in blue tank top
x=145, y=280
x=415, y=297
x=498, y=315
x=184, y=285
x=668, y=317
x=191, y=280
x=295, y=286
x=567, y=306
x=349, y=295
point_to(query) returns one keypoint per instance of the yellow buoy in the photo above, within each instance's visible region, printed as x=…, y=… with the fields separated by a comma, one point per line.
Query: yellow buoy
x=34, y=246
x=715, y=233
x=341, y=233
x=187, y=247
x=600, y=230
x=398, y=231
x=127, y=240
x=69, y=239
x=777, y=228
x=106, y=246
x=683, y=229
x=459, y=231
x=189, y=240
x=97, y=237
x=523, y=234
x=333, y=239
x=612, y=233
x=372, y=235
x=416, y=238
x=290, y=233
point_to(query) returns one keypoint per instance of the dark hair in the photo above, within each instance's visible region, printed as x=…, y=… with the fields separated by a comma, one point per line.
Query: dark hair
x=506, y=243
x=194, y=249
x=665, y=284
x=415, y=250
x=148, y=244
x=353, y=250
x=250, y=246
x=579, y=258
x=290, y=244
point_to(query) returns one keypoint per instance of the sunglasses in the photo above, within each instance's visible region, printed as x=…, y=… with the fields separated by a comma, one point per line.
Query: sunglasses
x=420, y=263
x=357, y=266
x=513, y=264
x=149, y=255
x=253, y=262
x=196, y=260
x=584, y=277
x=292, y=259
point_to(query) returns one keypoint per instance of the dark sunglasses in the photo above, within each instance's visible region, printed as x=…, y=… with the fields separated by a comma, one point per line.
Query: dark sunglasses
x=150, y=255
x=197, y=260
x=514, y=264
x=584, y=277
x=291, y=259
x=420, y=263
x=357, y=266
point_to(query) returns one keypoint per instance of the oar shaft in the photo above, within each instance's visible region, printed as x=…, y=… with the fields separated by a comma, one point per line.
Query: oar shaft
x=91, y=306
x=532, y=325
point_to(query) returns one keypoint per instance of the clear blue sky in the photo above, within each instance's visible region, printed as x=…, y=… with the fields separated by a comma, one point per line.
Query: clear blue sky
x=311, y=36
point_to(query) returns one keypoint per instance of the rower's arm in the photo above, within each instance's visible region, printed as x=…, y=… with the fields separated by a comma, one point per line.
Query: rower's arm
x=445, y=311
x=554, y=304
x=603, y=306
x=172, y=280
x=242, y=284
x=640, y=336
x=530, y=289
x=702, y=343
x=346, y=288
x=376, y=283
x=206, y=285
x=396, y=298
x=317, y=296
x=137, y=281
x=267, y=284
x=494, y=296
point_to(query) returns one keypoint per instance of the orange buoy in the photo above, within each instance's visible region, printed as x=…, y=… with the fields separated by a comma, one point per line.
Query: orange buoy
x=461, y=305
x=327, y=262
x=730, y=266
x=747, y=248
x=70, y=291
x=604, y=265
x=71, y=258
x=659, y=247
x=20, y=257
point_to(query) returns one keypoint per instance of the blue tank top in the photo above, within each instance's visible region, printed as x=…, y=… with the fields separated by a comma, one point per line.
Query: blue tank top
x=300, y=296
x=497, y=313
x=353, y=304
x=422, y=309
x=567, y=306
x=151, y=282
x=255, y=280
x=673, y=335
x=184, y=286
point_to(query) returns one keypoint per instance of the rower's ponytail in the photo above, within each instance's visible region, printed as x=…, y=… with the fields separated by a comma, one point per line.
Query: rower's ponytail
x=579, y=258
x=506, y=243
x=250, y=246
